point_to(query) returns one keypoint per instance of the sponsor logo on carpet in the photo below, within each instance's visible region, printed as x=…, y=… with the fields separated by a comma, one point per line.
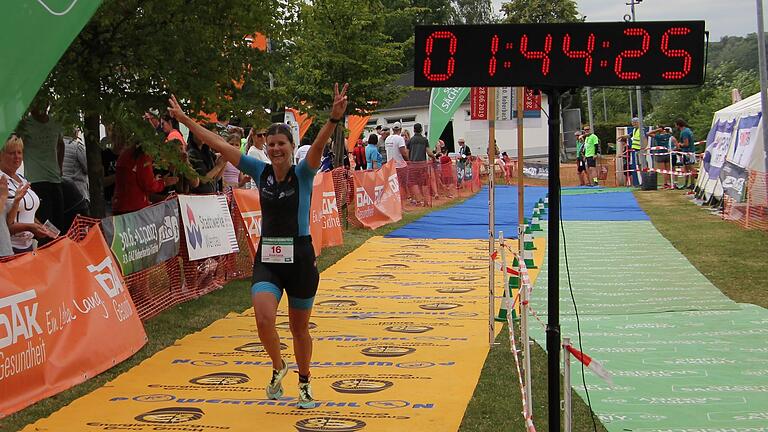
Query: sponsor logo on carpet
x=221, y=379
x=409, y=329
x=329, y=424
x=359, y=287
x=337, y=303
x=361, y=385
x=439, y=306
x=455, y=290
x=387, y=351
x=171, y=415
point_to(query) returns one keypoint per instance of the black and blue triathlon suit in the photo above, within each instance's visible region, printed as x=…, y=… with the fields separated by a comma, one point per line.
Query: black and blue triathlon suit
x=285, y=214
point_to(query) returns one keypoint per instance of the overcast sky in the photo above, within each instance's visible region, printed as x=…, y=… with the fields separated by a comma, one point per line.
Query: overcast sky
x=723, y=17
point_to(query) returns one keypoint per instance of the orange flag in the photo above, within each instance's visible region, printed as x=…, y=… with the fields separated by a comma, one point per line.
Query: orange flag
x=356, y=125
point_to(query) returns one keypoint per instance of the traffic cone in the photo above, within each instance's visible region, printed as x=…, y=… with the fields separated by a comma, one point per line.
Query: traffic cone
x=546, y=201
x=535, y=221
x=528, y=242
x=506, y=302
x=541, y=207
x=528, y=258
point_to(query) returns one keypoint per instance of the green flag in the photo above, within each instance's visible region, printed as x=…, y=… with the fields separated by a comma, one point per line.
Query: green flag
x=35, y=35
x=444, y=101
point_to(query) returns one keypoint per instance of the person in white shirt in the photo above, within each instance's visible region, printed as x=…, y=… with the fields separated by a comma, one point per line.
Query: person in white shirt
x=301, y=152
x=395, y=146
x=256, y=141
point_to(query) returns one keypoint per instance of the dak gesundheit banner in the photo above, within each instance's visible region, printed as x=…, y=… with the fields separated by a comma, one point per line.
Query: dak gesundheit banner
x=65, y=316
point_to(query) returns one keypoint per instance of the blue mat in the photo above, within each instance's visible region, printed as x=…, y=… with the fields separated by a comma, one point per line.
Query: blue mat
x=617, y=206
x=469, y=220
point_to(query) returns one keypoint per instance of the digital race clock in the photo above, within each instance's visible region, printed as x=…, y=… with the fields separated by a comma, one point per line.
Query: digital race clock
x=560, y=55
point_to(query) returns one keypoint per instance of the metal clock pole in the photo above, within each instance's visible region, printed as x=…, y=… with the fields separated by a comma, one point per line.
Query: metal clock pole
x=491, y=215
x=553, y=263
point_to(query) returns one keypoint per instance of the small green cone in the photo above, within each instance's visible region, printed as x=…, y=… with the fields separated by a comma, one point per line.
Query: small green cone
x=528, y=258
x=546, y=201
x=528, y=242
x=527, y=228
x=514, y=282
x=515, y=263
x=502, y=316
x=535, y=223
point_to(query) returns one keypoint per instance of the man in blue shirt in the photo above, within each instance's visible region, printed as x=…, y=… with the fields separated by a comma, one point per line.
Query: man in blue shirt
x=372, y=155
x=662, y=140
x=686, y=144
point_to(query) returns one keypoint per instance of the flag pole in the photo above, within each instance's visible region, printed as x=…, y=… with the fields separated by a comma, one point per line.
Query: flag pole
x=521, y=247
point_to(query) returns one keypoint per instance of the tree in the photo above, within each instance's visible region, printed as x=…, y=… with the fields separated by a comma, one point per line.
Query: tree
x=133, y=54
x=474, y=12
x=341, y=41
x=540, y=11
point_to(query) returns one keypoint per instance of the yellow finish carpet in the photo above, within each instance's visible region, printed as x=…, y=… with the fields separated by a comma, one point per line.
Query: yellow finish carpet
x=400, y=332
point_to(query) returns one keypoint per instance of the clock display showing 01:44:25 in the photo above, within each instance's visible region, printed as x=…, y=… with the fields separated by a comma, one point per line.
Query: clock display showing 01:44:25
x=560, y=55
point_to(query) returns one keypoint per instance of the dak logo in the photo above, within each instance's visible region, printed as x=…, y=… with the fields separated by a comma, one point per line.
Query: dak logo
x=18, y=320
x=409, y=329
x=221, y=379
x=253, y=222
x=393, y=183
x=362, y=198
x=107, y=278
x=257, y=347
x=169, y=231
x=361, y=385
x=338, y=303
x=329, y=424
x=455, y=290
x=387, y=351
x=464, y=278
x=171, y=415
x=329, y=203
x=439, y=306
x=378, y=192
x=359, y=287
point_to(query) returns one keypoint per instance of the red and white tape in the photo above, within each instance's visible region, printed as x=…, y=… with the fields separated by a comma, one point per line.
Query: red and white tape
x=595, y=366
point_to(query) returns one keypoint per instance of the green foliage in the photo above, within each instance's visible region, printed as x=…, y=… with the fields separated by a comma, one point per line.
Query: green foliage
x=741, y=51
x=341, y=41
x=474, y=12
x=607, y=134
x=697, y=105
x=540, y=11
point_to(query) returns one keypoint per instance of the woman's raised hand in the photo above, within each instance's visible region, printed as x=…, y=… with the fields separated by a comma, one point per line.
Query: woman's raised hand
x=174, y=109
x=339, y=101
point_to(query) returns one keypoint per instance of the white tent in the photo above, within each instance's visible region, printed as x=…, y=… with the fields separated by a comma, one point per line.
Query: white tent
x=734, y=147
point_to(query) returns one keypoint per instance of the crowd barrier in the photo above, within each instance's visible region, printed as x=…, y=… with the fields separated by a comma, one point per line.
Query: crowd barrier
x=752, y=212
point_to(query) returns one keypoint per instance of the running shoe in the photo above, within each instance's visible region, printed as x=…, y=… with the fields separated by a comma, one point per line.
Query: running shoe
x=306, y=401
x=275, y=387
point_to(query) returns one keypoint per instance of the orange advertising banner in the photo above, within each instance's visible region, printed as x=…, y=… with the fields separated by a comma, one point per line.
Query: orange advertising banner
x=65, y=316
x=324, y=220
x=377, y=196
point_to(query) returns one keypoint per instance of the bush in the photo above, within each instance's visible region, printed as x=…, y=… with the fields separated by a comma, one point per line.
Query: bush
x=607, y=134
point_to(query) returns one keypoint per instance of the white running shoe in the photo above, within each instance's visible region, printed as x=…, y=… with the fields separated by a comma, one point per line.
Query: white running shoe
x=306, y=401
x=275, y=386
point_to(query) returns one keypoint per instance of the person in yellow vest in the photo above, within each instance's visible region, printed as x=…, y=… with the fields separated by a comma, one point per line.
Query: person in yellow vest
x=635, y=144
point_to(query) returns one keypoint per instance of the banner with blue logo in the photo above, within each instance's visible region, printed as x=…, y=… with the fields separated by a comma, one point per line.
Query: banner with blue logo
x=717, y=147
x=144, y=238
x=208, y=227
x=746, y=141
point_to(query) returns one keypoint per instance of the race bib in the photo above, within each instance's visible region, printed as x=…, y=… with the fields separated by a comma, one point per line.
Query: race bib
x=277, y=250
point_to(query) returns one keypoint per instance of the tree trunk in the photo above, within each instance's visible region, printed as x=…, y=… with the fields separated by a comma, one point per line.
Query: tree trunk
x=95, y=169
x=339, y=146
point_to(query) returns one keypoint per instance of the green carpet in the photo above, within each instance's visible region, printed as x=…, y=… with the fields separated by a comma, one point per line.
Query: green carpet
x=684, y=357
x=593, y=190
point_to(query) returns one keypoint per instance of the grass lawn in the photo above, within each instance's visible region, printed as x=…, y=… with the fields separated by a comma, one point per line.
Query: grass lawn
x=732, y=258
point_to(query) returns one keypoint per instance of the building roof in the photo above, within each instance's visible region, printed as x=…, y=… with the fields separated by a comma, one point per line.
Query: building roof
x=414, y=98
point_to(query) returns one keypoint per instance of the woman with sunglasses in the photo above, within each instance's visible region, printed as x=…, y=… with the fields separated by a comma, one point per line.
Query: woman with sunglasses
x=285, y=259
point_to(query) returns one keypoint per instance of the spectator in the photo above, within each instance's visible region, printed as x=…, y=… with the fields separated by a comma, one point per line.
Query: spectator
x=382, y=144
x=75, y=167
x=663, y=140
x=326, y=162
x=446, y=172
x=506, y=165
x=420, y=171
x=135, y=180
x=372, y=155
x=23, y=227
x=463, y=161
x=407, y=138
x=9, y=207
x=359, y=155
x=231, y=175
x=591, y=141
x=686, y=144
x=581, y=163
x=256, y=141
x=301, y=152
x=110, y=151
x=170, y=128
x=209, y=169
x=42, y=137
x=395, y=147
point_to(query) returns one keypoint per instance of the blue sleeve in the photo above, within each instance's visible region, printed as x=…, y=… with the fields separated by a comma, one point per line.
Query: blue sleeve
x=252, y=167
x=306, y=176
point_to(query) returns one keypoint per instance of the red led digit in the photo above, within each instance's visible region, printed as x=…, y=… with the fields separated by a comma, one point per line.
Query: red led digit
x=537, y=55
x=585, y=54
x=646, y=42
x=676, y=53
x=494, y=50
x=452, y=42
